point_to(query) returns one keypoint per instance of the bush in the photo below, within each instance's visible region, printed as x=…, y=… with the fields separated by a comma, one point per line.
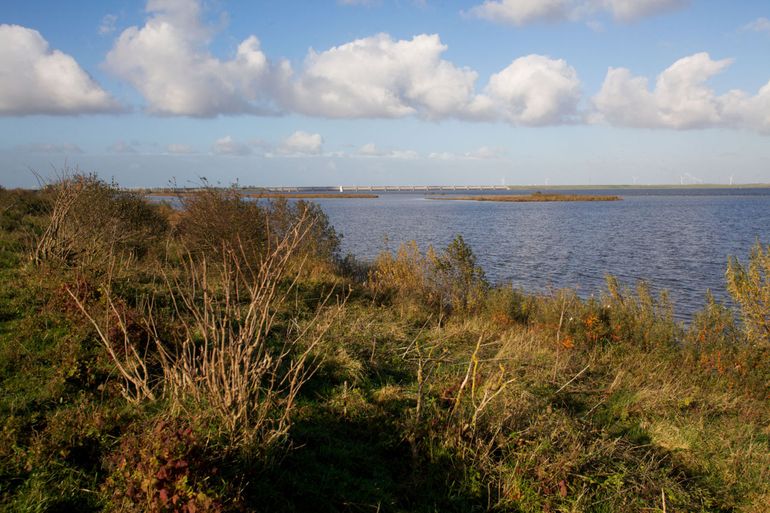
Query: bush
x=450, y=280
x=321, y=243
x=750, y=288
x=459, y=281
x=165, y=469
x=92, y=222
x=215, y=221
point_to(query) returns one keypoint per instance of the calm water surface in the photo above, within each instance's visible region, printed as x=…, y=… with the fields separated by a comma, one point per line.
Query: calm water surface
x=674, y=239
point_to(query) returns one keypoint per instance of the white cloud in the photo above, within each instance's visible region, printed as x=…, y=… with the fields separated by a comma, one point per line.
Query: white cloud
x=179, y=149
x=35, y=79
x=301, y=143
x=632, y=10
x=372, y=150
x=123, y=147
x=681, y=99
x=483, y=153
x=66, y=148
x=745, y=111
x=534, y=90
x=107, y=26
x=228, y=146
x=522, y=12
x=166, y=60
x=381, y=77
x=758, y=25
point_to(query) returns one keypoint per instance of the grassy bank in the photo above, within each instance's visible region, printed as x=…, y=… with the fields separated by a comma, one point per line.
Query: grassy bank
x=534, y=197
x=226, y=358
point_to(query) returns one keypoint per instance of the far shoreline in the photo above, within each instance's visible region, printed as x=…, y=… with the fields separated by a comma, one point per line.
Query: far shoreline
x=531, y=198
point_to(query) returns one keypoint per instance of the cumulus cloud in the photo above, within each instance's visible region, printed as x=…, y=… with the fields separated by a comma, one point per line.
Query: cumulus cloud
x=66, y=148
x=34, y=79
x=229, y=146
x=522, y=12
x=681, y=99
x=166, y=60
x=301, y=143
x=533, y=90
x=632, y=10
x=381, y=77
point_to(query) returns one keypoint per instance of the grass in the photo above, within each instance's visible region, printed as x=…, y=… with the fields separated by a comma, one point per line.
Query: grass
x=535, y=197
x=422, y=387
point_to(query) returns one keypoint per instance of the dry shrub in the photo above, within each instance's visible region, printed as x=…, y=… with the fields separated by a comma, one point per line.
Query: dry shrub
x=92, y=222
x=227, y=365
x=450, y=279
x=407, y=271
x=750, y=287
x=321, y=243
x=214, y=221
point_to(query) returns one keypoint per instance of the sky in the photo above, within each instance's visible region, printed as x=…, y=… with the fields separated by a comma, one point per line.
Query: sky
x=386, y=92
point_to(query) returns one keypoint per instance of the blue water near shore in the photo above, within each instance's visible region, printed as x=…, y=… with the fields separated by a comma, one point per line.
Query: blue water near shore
x=678, y=240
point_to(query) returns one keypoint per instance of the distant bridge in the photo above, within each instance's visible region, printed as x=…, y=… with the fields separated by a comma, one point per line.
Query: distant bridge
x=391, y=188
x=342, y=188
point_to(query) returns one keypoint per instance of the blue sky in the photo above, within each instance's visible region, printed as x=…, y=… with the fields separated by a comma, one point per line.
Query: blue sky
x=386, y=91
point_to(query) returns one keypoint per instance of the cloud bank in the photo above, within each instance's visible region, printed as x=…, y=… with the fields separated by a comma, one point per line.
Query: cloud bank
x=681, y=99
x=167, y=60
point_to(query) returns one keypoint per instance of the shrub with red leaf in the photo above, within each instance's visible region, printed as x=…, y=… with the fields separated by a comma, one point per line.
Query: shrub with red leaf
x=162, y=470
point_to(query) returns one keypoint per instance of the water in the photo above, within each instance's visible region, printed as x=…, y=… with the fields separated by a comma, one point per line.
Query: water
x=677, y=240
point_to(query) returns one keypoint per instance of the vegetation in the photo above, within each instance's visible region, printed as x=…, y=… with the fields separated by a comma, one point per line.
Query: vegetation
x=534, y=197
x=223, y=357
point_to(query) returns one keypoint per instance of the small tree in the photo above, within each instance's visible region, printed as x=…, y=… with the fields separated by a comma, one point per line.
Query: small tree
x=459, y=280
x=750, y=288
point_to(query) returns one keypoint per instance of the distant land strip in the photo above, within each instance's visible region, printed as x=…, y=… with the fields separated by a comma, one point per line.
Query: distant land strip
x=287, y=195
x=521, y=198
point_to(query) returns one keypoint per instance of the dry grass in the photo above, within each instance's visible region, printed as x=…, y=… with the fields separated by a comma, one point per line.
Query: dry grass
x=228, y=366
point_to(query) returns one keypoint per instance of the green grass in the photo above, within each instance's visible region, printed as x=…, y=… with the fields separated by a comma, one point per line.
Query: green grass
x=612, y=409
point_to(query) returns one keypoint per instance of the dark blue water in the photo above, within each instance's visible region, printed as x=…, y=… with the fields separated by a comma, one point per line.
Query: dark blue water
x=677, y=240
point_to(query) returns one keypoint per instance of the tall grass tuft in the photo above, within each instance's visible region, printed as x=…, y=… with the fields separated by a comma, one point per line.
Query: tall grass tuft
x=750, y=288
